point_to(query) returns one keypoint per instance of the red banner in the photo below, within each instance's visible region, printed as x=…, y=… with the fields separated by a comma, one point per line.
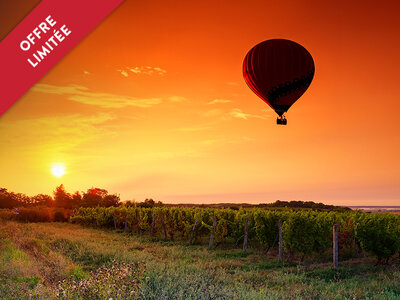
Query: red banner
x=43, y=38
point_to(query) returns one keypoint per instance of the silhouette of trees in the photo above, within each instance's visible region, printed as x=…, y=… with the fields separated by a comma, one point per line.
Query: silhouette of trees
x=7, y=199
x=76, y=199
x=129, y=203
x=11, y=199
x=62, y=198
x=99, y=197
x=42, y=200
x=110, y=200
x=93, y=197
x=149, y=203
x=146, y=203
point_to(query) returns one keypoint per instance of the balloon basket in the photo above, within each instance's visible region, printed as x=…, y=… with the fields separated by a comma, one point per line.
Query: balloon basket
x=281, y=121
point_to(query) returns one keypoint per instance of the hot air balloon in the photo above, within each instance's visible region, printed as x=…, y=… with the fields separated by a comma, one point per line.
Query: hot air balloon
x=279, y=72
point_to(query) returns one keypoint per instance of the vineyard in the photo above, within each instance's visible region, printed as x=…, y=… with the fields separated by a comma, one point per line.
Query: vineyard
x=304, y=233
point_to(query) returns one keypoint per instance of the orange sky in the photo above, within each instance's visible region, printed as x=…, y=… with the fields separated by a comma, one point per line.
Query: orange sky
x=153, y=104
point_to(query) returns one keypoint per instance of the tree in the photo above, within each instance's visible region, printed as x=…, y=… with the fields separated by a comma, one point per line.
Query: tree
x=62, y=198
x=21, y=199
x=42, y=200
x=99, y=197
x=149, y=203
x=129, y=203
x=7, y=199
x=76, y=199
x=93, y=197
x=110, y=200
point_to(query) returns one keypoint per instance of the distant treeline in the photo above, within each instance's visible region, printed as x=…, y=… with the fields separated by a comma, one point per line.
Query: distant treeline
x=276, y=204
x=97, y=197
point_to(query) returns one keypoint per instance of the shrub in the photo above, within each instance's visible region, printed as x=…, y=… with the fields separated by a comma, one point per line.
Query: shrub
x=117, y=282
x=36, y=214
x=61, y=214
x=306, y=232
x=379, y=234
x=6, y=214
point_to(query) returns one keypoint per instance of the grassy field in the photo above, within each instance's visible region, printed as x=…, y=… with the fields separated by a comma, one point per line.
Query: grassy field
x=52, y=260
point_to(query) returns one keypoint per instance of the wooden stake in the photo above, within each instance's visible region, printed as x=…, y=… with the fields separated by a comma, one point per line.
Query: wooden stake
x=212, y=233
x=192, y=233
x=246, y=234
x=137, y=223
x=335, y=247
x=126, y=225
x=153, y=221
x=164, y=227
x=280, y=241
x=115, y=222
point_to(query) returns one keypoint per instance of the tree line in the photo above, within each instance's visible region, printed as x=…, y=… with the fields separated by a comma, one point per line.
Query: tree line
x=93, y=197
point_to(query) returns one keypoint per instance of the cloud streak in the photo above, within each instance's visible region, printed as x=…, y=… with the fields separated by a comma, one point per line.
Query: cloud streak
x=238, y=113
x=56, y=133
x=217, y=101
x=84, y=95
x=146, y=70
x=177, y=99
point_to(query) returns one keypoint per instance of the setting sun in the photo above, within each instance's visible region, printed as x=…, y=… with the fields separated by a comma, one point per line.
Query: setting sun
x=58, y=169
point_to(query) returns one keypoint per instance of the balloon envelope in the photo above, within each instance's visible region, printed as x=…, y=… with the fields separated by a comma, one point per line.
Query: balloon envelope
x=279, y=71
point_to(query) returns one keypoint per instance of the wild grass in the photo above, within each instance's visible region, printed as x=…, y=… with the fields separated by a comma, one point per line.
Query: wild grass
x=37, y=259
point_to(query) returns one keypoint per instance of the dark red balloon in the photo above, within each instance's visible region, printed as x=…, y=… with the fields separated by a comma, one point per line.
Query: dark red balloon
x=279, y=72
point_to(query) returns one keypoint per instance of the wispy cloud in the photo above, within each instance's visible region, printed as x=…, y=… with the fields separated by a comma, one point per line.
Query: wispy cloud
x=55, y=133
x=238, y=113
x=192, y=129
x=83, y=95
x=224, y=115
x=217, y=101
x=222, y=141
x=177, y=99
x=212, y=113
x=146, y=70
x=123, y=73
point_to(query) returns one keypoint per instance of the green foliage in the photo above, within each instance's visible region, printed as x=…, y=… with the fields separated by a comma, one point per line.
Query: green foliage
x=266, y=226
x=306, y=232
x=173, y=270
x=233, y=254
x=379, y=234
x=77, y=273
x=120, y=281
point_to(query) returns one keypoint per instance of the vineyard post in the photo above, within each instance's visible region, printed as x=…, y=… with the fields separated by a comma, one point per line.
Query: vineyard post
x=212, y=233
x=137, y=222
x=126, y=224
x=115, y=222
x=335, y=247
x=280, y=240
x=153, y=221
x=246, y=234
x=164, y=227
x=192, y=233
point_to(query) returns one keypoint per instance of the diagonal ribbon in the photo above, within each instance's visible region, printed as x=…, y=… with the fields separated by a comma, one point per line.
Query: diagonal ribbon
x=42, y=39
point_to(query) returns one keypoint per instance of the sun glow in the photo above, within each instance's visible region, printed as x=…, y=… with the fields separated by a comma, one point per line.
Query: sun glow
x=58, y=169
